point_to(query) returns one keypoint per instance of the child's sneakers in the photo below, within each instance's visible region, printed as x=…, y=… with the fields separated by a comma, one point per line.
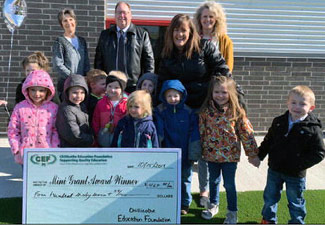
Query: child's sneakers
x=231, y=217
x=209, y=213
x=204, y=202
x=264, y=221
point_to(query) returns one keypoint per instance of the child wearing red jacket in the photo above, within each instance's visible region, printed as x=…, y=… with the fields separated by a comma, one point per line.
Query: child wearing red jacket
x=110, y=109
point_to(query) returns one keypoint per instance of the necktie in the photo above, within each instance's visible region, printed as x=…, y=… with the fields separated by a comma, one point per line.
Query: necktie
x=121, y=52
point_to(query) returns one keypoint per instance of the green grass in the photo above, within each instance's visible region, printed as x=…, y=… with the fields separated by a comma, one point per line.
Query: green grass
x=11, y=210
x=249, y=204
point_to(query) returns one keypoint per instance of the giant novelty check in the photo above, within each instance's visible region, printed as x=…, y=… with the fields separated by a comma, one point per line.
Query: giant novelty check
x=101, y=186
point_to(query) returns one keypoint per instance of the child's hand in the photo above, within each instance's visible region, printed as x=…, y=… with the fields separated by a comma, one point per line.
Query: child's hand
x=255, y=161
x=3, y=102
x=18, y=158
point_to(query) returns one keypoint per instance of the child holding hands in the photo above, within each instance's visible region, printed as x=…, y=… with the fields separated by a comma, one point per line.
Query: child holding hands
x=32, y=123
x=223, y=125
x=136, y=129
x=294, y=143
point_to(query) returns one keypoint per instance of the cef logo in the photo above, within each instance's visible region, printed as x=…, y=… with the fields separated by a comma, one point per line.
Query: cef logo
x=43, y=160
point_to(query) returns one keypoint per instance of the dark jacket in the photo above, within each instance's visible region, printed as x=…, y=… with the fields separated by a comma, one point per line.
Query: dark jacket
x=139, y=55
x=129, y=135
x=72, y=120
x=194, y=73
x=91, y=103
x=19, y=93
x=294, y=152
x=177, y=125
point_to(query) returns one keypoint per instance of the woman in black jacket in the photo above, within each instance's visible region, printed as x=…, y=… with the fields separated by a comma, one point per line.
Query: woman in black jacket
x=192, y=61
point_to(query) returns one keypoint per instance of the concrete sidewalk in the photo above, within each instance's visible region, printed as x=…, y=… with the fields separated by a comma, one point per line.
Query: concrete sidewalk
x=11, y=182
x=248, y=178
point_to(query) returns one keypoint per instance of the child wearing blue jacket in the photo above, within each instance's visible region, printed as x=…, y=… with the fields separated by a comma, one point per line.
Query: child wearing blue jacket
x=136, y=129
x=177, y=127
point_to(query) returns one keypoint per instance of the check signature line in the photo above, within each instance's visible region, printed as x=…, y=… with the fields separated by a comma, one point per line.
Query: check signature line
x=128, y=196
x=148, y=168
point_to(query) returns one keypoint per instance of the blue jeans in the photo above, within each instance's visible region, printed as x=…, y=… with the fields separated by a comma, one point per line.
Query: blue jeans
x=186, y=196
x=295, y=187
x=203, y=174
x=228, y=170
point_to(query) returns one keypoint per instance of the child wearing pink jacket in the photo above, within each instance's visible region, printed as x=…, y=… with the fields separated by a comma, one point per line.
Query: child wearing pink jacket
x=32, y=123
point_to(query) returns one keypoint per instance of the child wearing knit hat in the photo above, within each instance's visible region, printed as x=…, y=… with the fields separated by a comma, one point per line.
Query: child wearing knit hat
x=110, y=109
x=149, y=82
x=119, y=77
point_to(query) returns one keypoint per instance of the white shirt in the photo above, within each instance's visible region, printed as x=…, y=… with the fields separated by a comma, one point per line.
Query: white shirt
x=291, y=122
x=124, y=30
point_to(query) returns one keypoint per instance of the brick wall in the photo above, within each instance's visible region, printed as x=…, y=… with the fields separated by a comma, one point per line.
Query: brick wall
x=267, y=81
x=38, y=33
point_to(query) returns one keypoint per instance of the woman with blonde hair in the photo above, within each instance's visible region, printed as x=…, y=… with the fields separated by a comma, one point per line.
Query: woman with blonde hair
x=210, y=20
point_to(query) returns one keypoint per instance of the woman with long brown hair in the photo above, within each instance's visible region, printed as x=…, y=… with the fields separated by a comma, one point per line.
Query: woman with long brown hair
x=192, y=61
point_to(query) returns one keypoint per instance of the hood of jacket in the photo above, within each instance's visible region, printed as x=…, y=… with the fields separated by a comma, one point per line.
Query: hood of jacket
x=173, y=84
x=143, y=120
x=148, y=76
x=38, y=78
x=72, y=81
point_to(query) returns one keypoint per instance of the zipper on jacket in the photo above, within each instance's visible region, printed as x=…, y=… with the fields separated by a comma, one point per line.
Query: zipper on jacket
x=149, y=143
x=183, y=67
x=38, y=140
x=137, y=139
x=119, y=140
